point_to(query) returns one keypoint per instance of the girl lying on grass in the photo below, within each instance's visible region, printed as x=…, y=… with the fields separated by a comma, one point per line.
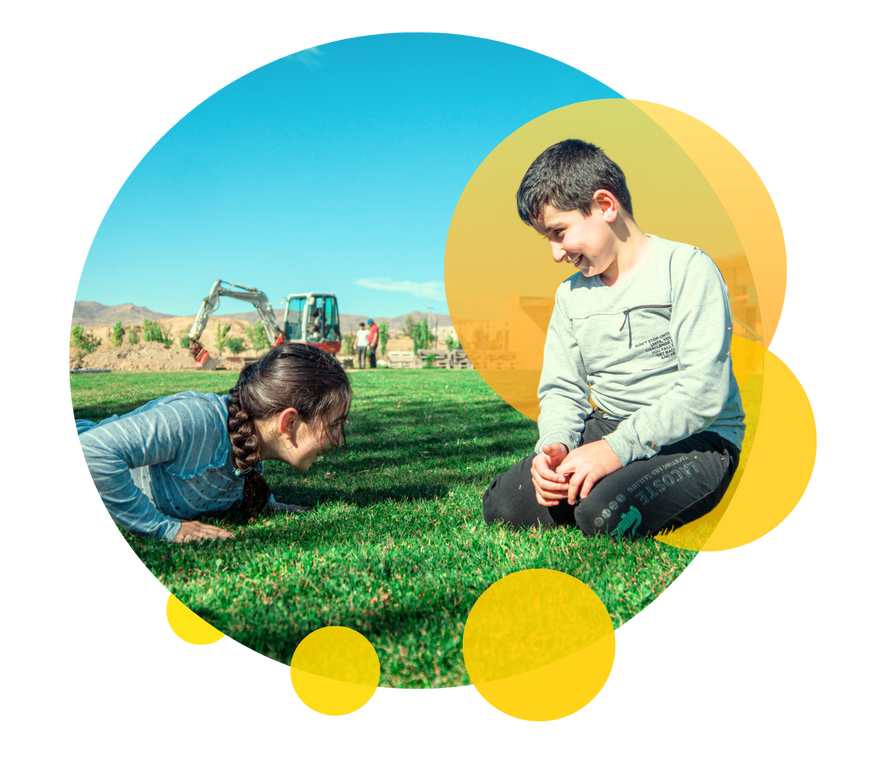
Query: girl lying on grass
x=186, y=455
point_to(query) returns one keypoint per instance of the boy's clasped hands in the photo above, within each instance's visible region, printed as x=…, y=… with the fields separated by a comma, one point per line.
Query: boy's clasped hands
x=559, y=473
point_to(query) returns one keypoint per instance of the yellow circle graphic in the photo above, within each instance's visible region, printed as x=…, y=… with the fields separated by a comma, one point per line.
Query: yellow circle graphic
x=688, y=184
x=755, y=508
x=187, y=627
x=538, y=645
x=335, y=670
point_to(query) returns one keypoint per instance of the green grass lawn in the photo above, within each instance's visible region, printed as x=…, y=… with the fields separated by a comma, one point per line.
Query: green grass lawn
x=394, y=545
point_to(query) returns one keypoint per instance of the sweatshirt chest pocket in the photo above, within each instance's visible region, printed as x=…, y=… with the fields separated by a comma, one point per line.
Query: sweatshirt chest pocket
x=636, y=338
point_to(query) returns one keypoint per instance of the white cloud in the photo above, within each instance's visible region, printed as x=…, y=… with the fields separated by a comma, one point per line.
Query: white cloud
x=432, y=290
x=310, y=57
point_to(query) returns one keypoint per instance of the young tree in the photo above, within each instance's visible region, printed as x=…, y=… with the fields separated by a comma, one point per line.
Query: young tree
x=258, y=336
x=422, y=338
x=348, y=347
x=84, y=342
x=235, y=345
x=117, y=334
x=383, y=336
x=221, y=336
x=410, y=327
x=152, y=330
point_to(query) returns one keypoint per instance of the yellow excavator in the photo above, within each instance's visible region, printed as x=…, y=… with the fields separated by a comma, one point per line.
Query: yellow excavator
x=310, y=318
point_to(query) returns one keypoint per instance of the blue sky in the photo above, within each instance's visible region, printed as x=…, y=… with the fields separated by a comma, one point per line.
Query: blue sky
x=335, y=169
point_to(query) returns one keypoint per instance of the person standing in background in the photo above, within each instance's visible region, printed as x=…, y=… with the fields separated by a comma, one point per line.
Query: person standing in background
x=361, y=343
x=372, y=341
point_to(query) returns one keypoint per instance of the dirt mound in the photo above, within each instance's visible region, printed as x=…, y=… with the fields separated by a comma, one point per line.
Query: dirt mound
x=145, y=356
x=154, y=356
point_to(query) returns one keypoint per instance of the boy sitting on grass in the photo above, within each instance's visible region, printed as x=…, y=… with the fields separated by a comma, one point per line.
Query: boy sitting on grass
x=641, y=423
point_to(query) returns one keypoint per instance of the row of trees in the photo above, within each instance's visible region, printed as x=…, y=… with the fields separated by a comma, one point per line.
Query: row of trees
x=85, y=343
x=422, y=337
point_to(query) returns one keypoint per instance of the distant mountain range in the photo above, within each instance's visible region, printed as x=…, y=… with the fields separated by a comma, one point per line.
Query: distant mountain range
x=91, y=314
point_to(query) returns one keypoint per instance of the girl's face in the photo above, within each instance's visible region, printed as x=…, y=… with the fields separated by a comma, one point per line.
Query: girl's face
x=305, y=440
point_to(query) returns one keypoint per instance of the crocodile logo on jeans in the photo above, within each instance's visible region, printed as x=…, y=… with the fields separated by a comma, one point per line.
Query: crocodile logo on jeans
x=630, y=518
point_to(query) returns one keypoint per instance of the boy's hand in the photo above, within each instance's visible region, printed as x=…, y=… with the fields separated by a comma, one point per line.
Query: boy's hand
x=550, y=487
x=194, y=531
x=587, y=464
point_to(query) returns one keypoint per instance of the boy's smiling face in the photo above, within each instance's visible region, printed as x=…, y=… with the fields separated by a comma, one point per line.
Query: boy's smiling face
x=587, y=243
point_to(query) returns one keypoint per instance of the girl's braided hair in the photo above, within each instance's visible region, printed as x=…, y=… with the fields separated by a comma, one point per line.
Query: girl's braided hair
x=289, y=376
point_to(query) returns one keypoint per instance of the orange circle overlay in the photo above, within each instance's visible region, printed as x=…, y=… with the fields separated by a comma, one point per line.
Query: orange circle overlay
x=688, y=184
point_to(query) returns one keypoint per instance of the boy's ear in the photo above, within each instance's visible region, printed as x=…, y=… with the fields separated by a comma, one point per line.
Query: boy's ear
x=606, y=203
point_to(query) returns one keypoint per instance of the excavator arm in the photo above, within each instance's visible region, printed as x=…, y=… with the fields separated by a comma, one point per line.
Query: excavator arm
x=210, y=304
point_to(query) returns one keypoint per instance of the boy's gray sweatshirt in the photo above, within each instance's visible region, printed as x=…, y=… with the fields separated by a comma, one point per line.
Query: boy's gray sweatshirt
x=653, y=351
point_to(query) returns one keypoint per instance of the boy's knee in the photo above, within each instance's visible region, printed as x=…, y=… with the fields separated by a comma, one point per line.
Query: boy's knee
x=498, y=506
x=592, y=519
x=600, y=513
x=499, y=501
x=610, y=519
x=489, y=505
x=509, y=500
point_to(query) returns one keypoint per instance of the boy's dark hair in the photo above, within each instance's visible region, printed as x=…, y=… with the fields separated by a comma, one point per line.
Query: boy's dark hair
x=566, y=176
x=288, y=376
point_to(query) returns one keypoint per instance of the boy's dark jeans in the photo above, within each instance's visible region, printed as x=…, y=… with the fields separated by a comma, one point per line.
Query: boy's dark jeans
x=681, y=483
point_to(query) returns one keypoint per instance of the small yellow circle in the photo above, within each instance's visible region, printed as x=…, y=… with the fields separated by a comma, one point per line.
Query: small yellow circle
x=538, y=645
x=187, y=627
x=335, y=670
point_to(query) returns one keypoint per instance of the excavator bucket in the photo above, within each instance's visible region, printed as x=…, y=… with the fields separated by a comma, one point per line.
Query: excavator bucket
x=205, y=363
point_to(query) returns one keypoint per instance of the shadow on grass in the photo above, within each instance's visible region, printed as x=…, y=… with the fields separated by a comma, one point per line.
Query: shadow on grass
x=394, y=545
x=316, y=500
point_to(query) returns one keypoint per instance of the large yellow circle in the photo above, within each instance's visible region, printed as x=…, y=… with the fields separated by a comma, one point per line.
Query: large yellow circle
x=687, y=184
x=335, y=670
x=538, y=645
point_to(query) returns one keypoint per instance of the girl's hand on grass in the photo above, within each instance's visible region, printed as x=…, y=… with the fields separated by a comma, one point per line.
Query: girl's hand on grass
x=194, y=531
x=587, y=464
x=550, y=487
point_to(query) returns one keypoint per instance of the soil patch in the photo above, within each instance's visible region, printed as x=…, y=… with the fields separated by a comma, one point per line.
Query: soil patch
x=154, y=356
x=145, y=356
